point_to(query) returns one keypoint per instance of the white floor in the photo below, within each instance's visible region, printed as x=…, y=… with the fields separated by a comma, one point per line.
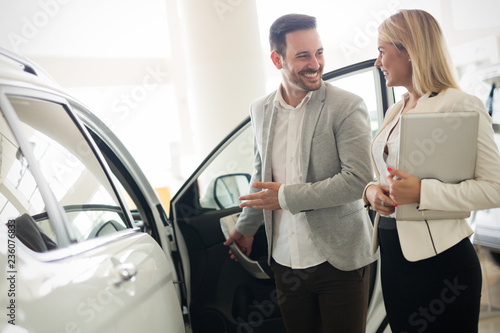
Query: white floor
x=490, y=301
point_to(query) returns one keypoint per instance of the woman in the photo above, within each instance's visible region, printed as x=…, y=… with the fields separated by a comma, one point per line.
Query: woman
x=431, y=277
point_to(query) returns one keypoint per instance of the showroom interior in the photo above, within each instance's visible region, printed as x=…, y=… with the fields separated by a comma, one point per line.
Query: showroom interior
x=173, y=77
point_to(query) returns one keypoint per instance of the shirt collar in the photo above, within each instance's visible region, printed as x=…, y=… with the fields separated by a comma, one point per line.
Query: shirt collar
x=280, y=102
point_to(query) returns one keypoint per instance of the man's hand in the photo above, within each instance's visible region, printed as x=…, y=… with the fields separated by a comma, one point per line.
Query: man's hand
x=379, y=199
x=265, y=199
x=244, y=242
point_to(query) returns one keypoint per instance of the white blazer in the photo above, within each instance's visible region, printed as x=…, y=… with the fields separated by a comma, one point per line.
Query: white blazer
x=423, y=239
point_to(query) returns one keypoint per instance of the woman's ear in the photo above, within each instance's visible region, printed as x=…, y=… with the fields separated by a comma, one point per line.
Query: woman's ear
x=276, y=59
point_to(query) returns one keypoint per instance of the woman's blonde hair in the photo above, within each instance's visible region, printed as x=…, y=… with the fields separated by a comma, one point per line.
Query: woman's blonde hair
x=420, y=35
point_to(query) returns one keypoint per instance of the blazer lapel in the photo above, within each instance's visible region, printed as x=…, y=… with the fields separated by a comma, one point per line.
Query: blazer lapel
x=313, y=111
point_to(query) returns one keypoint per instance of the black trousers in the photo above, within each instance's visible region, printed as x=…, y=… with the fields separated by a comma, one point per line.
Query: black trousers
x=322, y=298
x=439, y=294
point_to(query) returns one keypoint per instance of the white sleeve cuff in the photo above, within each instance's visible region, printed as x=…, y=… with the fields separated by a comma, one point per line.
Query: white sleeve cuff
x=281, y=197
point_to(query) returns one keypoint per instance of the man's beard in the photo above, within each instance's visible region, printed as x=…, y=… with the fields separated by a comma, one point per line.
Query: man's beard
x=299, y=80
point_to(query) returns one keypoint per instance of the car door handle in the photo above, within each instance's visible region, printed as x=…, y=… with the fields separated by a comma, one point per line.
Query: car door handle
x=122, y=273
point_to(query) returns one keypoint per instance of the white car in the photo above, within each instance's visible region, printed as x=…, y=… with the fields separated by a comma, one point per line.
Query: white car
x=86, y=245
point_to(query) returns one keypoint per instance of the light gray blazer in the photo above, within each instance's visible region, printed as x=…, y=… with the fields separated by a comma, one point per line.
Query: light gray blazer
x=336, y=167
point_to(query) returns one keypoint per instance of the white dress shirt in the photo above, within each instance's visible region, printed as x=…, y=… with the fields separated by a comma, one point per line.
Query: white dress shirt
x=293, y=245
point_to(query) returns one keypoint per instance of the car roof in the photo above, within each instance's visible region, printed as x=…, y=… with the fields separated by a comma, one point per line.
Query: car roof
x=20, y=71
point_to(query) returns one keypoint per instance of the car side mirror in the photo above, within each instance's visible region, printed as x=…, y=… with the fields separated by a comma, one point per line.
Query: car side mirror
x=228, y=188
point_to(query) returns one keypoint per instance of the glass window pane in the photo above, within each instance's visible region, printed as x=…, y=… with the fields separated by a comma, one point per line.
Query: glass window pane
x=71, y=169
x=398, y=93
x=227, y=177
x=364, y=84
x=20, y=198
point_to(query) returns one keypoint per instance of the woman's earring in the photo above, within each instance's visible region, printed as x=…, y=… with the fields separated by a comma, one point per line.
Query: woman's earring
x=409, y=59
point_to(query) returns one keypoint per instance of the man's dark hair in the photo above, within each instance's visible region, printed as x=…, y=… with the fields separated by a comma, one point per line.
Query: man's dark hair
x=286, y=24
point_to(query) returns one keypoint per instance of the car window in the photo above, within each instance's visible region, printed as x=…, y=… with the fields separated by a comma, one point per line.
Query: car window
x=364, y=83
x=20, y=196
x=398, y=93
x=227, y=177
x=71, y=169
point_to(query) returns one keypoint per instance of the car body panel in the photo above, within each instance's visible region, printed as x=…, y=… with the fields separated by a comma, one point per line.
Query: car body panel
x=82, y=285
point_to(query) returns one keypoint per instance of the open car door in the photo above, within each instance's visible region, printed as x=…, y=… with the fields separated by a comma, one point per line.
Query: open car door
x=223, y=295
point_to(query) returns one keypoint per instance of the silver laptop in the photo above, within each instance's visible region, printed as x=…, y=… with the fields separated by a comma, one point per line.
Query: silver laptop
x=440, y=146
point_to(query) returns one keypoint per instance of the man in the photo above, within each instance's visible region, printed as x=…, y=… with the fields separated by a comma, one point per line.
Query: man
x=311, y=147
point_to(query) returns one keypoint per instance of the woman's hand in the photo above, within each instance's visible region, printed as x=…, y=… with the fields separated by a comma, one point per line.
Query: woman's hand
x=403, y=187
x=379, y=199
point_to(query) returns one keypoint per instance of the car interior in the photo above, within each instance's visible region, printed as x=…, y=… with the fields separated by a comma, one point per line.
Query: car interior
x=224, y=295
x=28, y=232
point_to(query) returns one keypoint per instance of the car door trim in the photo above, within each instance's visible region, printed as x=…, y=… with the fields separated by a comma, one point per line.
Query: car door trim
x=82, y=247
